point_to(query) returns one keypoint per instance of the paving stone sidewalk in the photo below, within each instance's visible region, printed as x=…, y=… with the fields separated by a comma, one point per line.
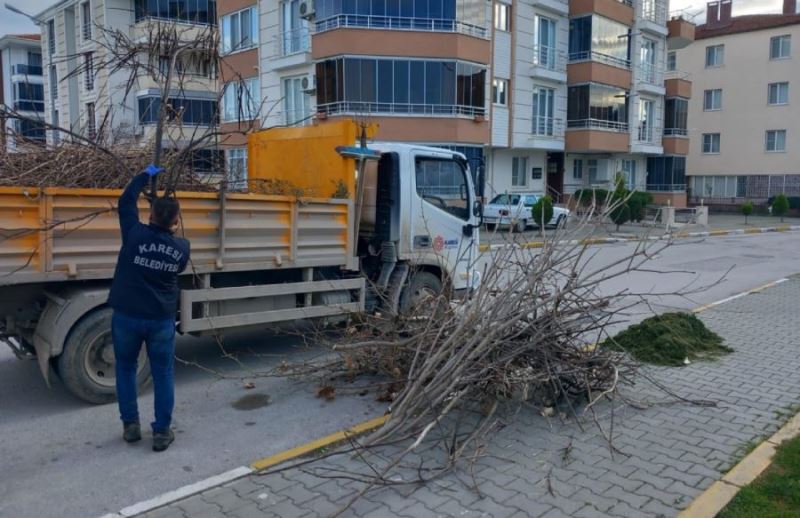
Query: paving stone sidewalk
x=667, y=454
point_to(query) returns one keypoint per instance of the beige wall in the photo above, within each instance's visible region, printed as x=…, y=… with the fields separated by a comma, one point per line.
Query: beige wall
x=745, y=115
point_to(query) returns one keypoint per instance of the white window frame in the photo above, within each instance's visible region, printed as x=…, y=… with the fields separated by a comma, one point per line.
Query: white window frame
x=777, y=87
x=234, y=20
x=86, y=21
x=295, y=36
x=500, y=91
x=710, y=143
x=672, y=61
x=545, y=52
x=236, y=156
x=519, y=170
x=775, y=134
x=577, y=169
x=543, y=114
x=715, y=95
x=593, y=170
x=91, y=123
x=784, y=45
x=502, y=17
x=628, y=167
x=719, y=51
x=292, y=98
x=51, y=37
x=88, y=66
x=241, y=100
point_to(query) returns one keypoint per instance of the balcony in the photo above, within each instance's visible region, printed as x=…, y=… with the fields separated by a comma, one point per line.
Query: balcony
x=599, y=57
x=292, y=48
x=650, y=79
x=26, y=70
x=436, y=110
x=547, y=133
x=678, y=84
x=676, y=141
x=549, y=63
x=581, y=72
x=653, y=16
x=620, y=11
x=680, y=33
x=29, y=105
x=596, y=135
x=398, y=23
x=647, y=140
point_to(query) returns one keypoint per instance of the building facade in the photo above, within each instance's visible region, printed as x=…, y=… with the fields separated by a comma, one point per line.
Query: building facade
x=22, y=90
x=87, y=94
x=744, y=121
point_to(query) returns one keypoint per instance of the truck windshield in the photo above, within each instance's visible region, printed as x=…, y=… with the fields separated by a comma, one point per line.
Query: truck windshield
x=505, y=199
x=443, y=184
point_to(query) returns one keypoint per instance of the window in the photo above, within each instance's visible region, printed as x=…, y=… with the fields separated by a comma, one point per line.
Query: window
x=207, y=160
x=240, y=100
x=593, y=169
x=776, y=141
x=370, y=85
x=519, y=174
x=597, y=106
x=423, y=15
x=577, y=169
x=780, y=47
x=675, y=116
x=295, y=35
x=715, y=56
x=629, y=172
x=35, y=60
x=672, y=61
x=88, y=69
x=545, y=51
x=51, y=37
x=239, y=30
x=202, y=112
x=599, y=39
x=91, y=128
x=237, y=168
x=646, y=120
x=666, y=173
x=296, y=102
x=543, y=109
x=500, y=91
x=502, y=17
x=202, y=12
x=712, y=100
x=711, y=143
x=443, y=184
x=86, y=21
x=778, y=93
x=28, y=97
x=647, y=60
x=53, y=83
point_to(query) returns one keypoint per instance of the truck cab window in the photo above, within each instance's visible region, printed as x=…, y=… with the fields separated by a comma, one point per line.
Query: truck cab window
x=443, y=184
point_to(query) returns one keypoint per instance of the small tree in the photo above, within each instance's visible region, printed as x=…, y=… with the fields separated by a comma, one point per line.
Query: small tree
x=780, y=206
x=747, y=209
x=621, y=211
x=542, y=212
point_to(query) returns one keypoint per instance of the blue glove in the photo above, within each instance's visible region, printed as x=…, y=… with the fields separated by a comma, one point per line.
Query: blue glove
x=153, y=170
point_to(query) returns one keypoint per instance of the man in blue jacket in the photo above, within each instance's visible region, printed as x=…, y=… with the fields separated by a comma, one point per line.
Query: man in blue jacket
x=144, y=296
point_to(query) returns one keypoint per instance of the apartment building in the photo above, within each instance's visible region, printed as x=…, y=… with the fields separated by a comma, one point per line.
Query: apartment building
x=745, y=120
x=120, y=104
x=22, y=90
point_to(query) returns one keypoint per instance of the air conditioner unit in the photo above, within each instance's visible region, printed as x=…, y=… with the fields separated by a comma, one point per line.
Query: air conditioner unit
x=308, y=85
x=307, y=11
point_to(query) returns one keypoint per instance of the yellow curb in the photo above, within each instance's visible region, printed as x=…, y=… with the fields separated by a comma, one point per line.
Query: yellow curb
x=789, y=431
x=533, y=244
x=783, y=228
x=711, y=501
x=484, y=248
x=719, y=232
x=316, y=444
x=751, y=466
x=753, y=231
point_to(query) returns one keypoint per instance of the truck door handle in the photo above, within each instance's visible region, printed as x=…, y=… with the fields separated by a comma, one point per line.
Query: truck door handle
x=422, y=241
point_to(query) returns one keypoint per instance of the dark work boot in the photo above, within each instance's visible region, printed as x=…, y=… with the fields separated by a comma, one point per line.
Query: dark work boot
x=162, y=440
x=132, y=432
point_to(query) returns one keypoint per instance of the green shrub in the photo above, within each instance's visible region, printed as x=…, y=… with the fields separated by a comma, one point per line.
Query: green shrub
x=542, y=211
x=794, y=201
x=638, y=202
x=585, y=196
x=669, y=339
x=780, y=206
x=747, y=209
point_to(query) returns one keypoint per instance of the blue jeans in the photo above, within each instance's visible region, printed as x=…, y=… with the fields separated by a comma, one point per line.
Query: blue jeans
x=128, y=333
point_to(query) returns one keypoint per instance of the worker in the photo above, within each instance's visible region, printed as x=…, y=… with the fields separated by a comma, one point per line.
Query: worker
x=144, y=297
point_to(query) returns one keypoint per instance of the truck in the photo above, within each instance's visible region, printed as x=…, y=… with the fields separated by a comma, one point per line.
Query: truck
x=362, y=227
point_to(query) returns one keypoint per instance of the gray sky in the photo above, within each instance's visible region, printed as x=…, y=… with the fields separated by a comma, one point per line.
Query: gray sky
x=11, y=23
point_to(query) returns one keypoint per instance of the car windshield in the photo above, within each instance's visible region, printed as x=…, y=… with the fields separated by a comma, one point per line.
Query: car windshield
x=505, y=199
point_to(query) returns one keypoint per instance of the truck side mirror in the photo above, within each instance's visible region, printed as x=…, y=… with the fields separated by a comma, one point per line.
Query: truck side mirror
x=477, y=209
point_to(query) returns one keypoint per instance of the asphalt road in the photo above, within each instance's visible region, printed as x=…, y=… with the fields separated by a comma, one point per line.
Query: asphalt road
x=61, y=457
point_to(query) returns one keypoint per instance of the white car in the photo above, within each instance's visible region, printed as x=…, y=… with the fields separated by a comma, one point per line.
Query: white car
x=514, y=210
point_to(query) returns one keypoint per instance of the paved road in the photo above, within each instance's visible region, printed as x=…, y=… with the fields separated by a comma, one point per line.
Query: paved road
x=63, y=458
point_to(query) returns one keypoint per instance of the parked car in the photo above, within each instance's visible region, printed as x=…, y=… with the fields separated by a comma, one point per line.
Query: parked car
x=514, y=210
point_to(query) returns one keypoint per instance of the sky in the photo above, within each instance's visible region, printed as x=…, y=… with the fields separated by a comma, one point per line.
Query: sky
x=11, y=23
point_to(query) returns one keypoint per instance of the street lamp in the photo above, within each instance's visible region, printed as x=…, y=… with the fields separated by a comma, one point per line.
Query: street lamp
x=26, y=15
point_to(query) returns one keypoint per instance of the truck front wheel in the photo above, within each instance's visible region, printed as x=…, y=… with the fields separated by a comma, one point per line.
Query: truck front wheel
x=86, y=365
x=424, y=290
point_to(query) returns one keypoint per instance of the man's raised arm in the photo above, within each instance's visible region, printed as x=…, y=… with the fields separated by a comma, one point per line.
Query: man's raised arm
x=127, y=205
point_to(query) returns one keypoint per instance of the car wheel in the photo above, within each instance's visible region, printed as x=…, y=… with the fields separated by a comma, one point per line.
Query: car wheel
x=520, y=226
x=562, y=219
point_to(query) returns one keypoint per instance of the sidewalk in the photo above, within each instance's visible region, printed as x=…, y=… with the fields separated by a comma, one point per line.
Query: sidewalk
x=668, y=453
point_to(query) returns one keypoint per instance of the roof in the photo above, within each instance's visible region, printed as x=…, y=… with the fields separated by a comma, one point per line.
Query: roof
x=748, y=23
x=20, y=40
x=35, y=37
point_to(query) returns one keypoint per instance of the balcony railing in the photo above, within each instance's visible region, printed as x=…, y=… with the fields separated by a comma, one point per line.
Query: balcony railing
x=398, y=23
x=592, y=55
x=647, y=134
x=29, y=106
x=651, y=74
x=443, y=110
x=600, y=124
x=654, y=11
x=677, y=74
x=666, y=187
x=294, y=41
x=298, y=117
x=548, y=58
x=548, y=127
x=676, y=132
x=26, y=70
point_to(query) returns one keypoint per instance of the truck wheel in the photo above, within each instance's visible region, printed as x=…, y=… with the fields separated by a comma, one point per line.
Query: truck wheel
x=421, y=289
x=86, y=365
